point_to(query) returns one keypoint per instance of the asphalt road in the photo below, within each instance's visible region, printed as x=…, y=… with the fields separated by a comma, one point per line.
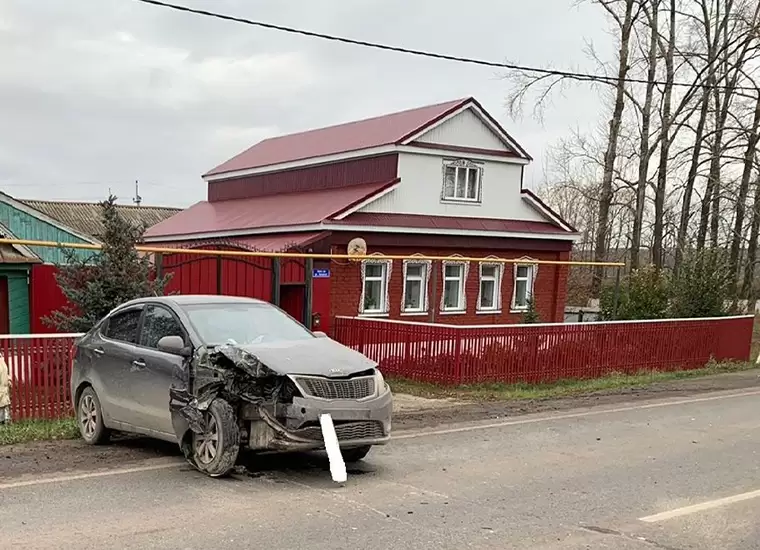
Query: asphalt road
x=668, y=474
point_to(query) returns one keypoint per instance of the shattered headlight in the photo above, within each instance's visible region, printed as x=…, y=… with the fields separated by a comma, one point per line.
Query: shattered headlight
x=380, y=385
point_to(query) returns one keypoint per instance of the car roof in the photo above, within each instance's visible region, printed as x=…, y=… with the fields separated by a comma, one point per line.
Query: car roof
x=195, y=299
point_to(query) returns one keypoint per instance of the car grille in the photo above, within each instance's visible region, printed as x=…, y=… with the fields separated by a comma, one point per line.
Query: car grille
x=345, y=431
x=353, y=388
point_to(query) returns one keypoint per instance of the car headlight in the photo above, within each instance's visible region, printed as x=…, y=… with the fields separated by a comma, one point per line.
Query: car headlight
x=380, y=385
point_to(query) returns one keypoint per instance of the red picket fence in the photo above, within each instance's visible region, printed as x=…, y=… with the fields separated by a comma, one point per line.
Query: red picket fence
x=40, y=364
x=40, y=371
x=450, y=354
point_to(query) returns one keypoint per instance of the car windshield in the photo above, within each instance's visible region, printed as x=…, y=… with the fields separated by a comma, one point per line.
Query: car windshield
x=244, y=324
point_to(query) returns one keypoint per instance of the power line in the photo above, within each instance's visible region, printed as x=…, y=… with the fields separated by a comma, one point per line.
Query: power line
x=585, y=77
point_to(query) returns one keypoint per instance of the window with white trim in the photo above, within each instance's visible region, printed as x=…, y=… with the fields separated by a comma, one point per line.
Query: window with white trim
x=489, y=297
x=416, y=276
x=454, y=280
x=375, y=276
x=462, y=181
x=525, y=275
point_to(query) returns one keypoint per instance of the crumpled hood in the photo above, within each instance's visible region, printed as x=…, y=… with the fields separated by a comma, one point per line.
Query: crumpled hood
x=316, y=356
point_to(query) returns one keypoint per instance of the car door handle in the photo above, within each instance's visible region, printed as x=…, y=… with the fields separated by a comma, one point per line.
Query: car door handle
x=99, y=351
x=138, y=364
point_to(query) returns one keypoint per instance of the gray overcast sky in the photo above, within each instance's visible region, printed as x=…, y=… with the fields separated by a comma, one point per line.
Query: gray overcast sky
x=97, y=93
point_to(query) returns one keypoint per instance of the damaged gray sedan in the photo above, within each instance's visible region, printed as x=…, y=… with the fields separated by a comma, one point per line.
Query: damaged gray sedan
x=216, y=373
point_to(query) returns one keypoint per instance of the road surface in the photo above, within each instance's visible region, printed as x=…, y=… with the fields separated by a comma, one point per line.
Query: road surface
x=663, y=474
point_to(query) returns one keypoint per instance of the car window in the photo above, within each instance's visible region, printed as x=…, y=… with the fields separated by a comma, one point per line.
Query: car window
x=244, y=323
x=123, y=326
x=159, y=322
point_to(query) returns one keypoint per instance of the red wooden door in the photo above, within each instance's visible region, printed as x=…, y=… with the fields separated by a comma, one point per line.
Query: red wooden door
x=4, y=310
x=291, y=300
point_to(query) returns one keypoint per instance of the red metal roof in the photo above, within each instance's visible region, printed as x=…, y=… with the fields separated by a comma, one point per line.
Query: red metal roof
x=449, y=222
x=343, y=138
x=288, y=209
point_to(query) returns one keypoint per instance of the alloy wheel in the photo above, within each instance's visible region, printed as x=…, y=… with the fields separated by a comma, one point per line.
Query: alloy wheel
x=207, y=443
x=88, y=416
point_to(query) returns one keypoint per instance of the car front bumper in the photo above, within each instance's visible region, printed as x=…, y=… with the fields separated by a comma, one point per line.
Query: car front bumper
x=296, y=426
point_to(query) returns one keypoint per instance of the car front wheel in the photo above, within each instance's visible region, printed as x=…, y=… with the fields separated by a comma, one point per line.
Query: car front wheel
x=215, y=451
x=90, y=418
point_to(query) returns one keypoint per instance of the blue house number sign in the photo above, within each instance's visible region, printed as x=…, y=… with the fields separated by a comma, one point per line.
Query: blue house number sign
x=321, y=273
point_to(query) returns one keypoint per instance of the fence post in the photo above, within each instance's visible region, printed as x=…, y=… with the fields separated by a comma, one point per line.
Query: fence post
x=308, y=277
x=158, y=260
x=276, y=281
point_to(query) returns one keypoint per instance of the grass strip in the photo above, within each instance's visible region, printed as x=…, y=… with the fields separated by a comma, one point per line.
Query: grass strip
x=562, y=388
x=25, y=431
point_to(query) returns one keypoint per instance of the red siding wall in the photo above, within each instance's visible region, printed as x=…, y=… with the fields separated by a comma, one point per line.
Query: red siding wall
x=46, y=297
x=327, y=176
x=550, y=287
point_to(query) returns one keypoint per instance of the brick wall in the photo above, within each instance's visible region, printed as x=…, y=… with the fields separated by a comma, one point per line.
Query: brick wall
x=550, y=287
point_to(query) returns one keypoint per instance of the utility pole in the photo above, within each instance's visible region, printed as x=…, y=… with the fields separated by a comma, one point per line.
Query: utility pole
x=138, y=199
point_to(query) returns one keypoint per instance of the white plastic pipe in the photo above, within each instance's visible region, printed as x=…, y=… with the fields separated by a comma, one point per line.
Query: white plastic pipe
x=337, y=465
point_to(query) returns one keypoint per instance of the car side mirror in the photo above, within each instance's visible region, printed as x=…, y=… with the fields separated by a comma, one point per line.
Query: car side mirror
x=319, y=334
x=174, y=345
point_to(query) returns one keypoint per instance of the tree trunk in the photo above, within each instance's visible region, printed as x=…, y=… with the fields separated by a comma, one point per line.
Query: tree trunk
x=644, y=154
x=662, y=172
x=741, y=199
x=610, y=155
x=683, y=225
x=748, y=287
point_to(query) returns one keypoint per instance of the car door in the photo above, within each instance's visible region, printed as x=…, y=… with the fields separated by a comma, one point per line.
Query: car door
x=154, y=368
x=114, y=349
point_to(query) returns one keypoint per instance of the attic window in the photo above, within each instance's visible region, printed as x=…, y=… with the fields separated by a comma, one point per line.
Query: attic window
x=461, y=181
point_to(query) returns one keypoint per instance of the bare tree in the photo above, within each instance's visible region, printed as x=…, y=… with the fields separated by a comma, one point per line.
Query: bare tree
x=662, y=172
x=625, y=24
x=645, y=154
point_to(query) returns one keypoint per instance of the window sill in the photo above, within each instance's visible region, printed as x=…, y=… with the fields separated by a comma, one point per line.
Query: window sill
x=374, y=314
x=414, y=313
x=462, y=201
x=453, y=312
x=488, y=312
x=523, y=310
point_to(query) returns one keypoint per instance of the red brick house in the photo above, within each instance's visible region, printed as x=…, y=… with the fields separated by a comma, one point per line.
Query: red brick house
x=442, y=180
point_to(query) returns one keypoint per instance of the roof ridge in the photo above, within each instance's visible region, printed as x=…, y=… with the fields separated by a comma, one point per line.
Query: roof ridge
x=366, y=119
x=95, y=203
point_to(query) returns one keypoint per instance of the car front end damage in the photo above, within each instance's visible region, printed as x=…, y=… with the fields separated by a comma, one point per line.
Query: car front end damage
x=278, y=409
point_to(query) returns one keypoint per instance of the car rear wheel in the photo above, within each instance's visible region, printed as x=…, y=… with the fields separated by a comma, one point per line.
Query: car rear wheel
x=356, y=454
x=215, y=451
x=90, y=418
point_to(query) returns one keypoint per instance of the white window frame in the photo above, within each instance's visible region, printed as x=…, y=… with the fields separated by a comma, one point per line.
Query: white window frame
x=465, y=267
x=426, y=266
x=498, y=280
x=530, y=279
x=384, y=279
x=467, y=166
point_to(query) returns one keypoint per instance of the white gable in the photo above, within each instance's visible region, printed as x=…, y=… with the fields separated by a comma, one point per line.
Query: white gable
x=465, y=129
x=422, y=181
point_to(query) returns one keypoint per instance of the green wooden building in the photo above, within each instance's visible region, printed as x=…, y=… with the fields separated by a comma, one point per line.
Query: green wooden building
x=53, y=221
